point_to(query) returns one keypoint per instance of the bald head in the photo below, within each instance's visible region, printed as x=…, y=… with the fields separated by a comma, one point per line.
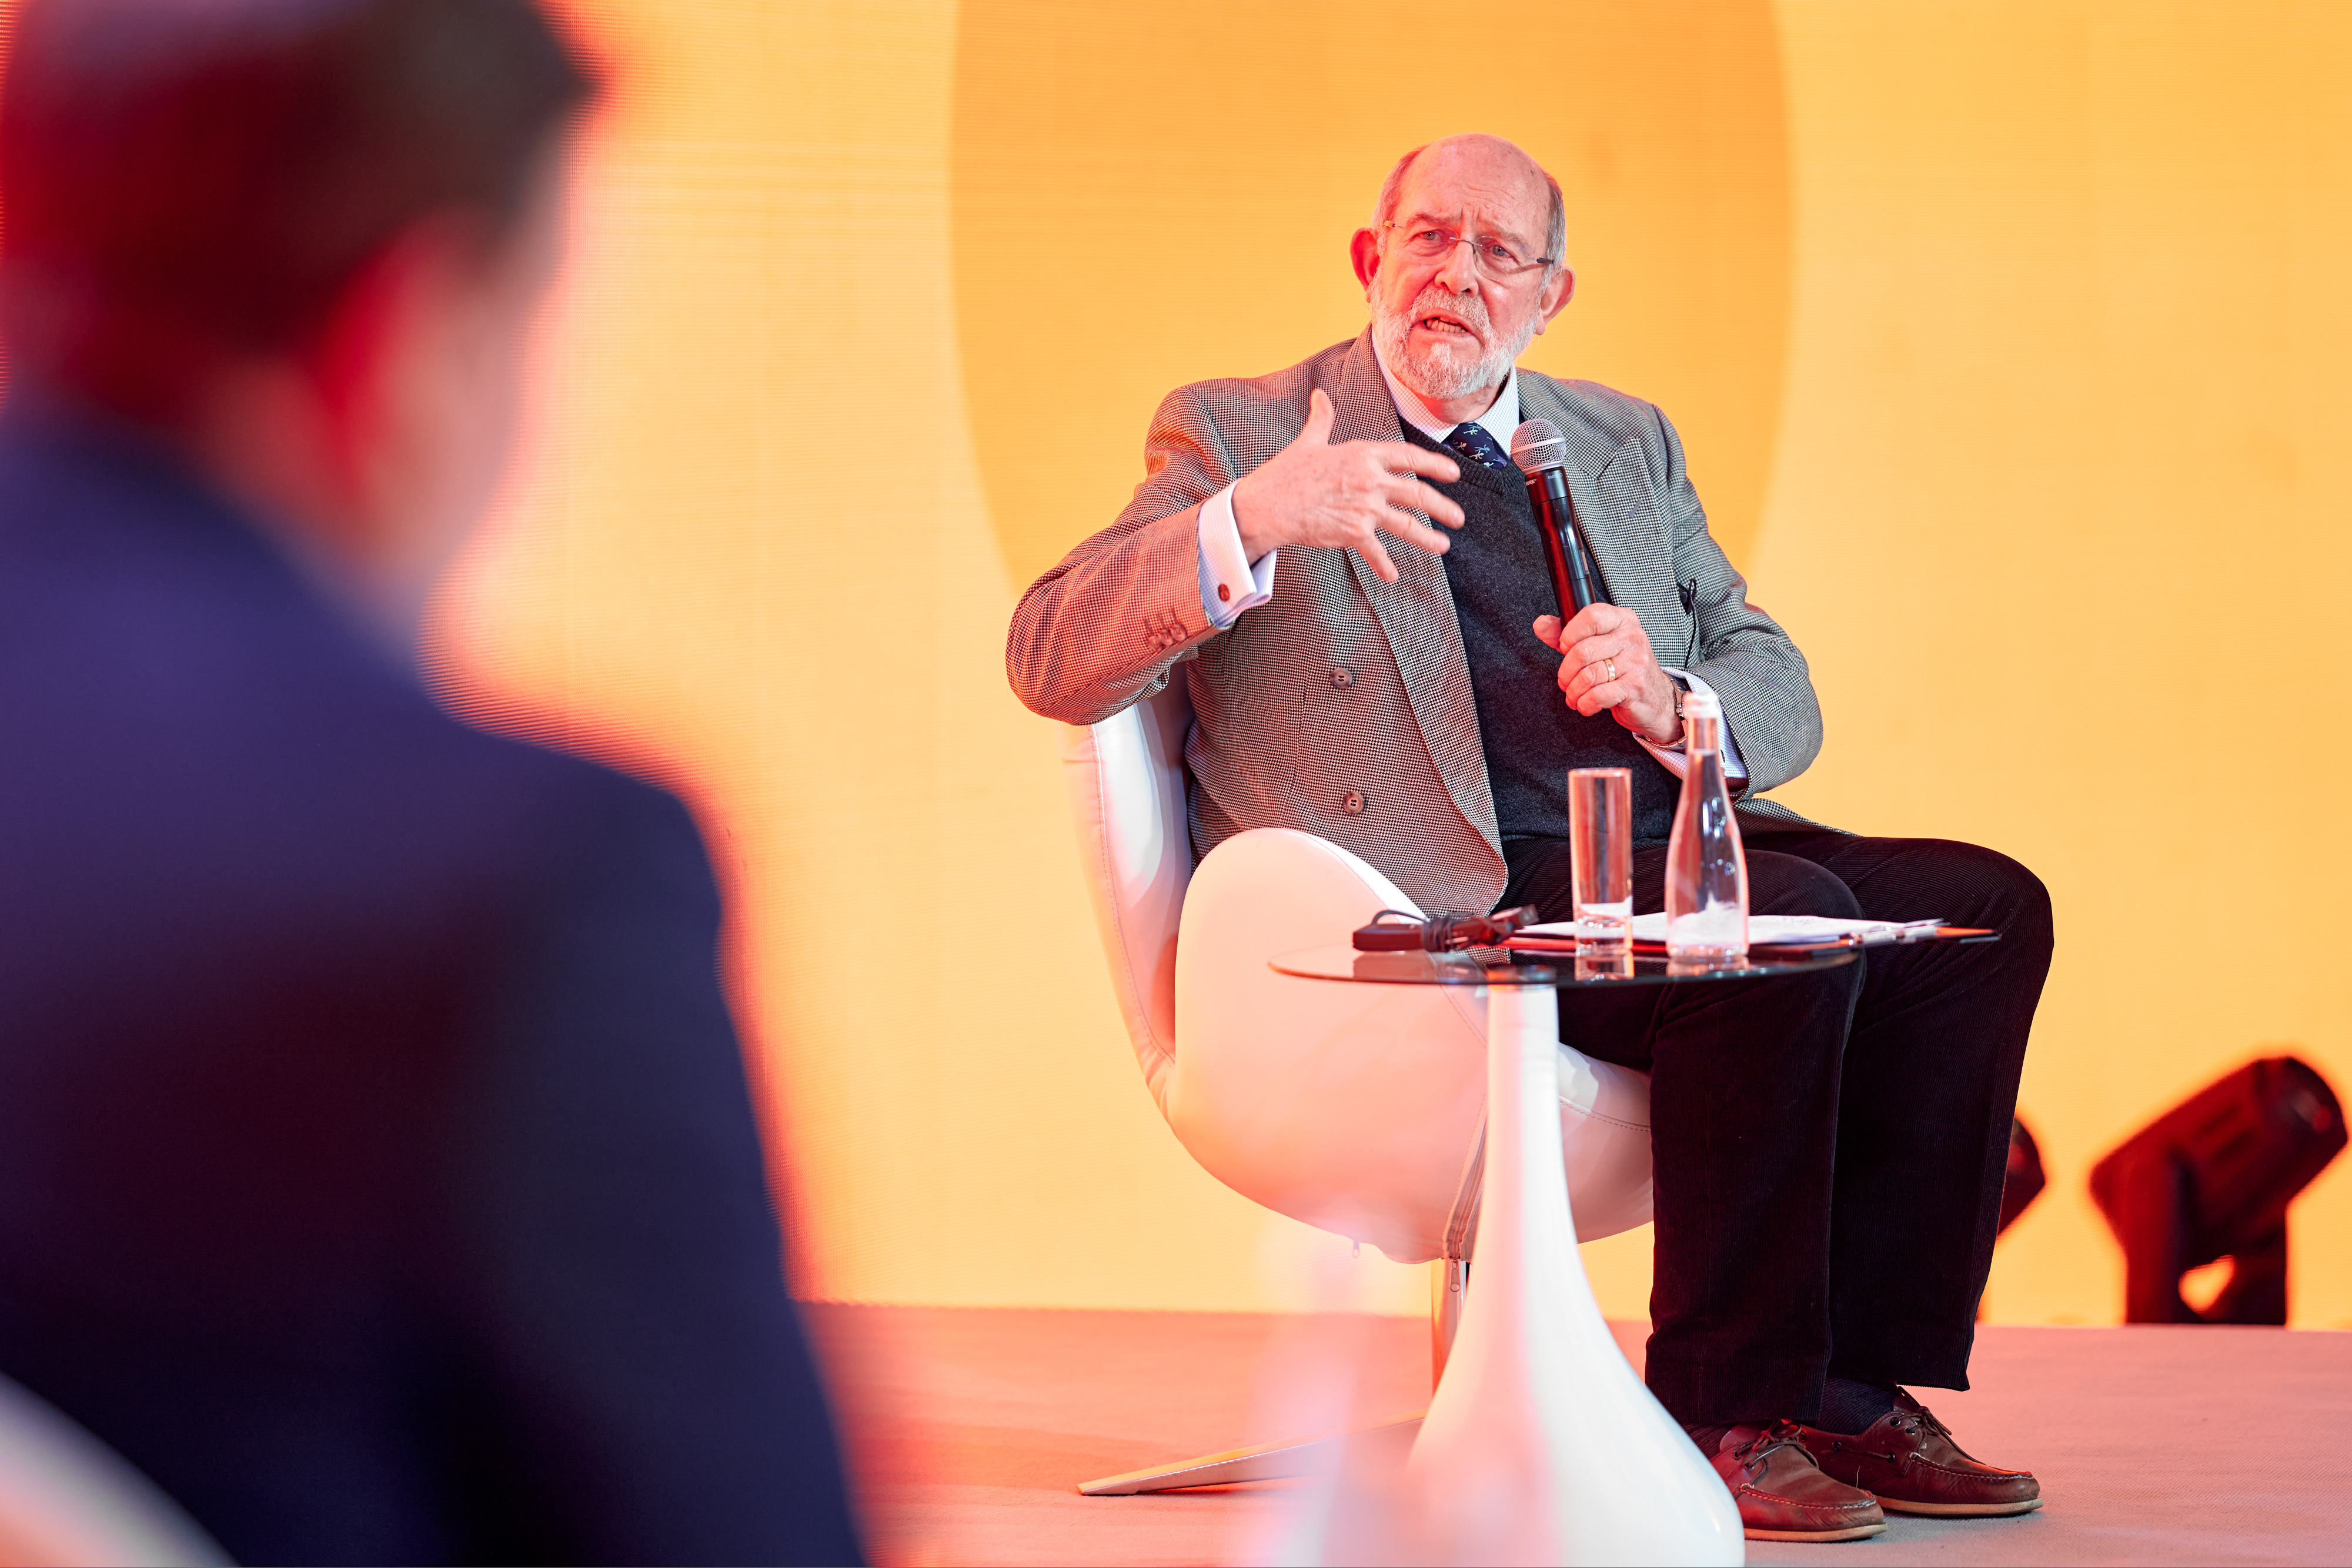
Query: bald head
x=1502, y=163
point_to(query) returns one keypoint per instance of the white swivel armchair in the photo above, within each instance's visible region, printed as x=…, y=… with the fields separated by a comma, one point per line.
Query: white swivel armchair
x=1356, y=1108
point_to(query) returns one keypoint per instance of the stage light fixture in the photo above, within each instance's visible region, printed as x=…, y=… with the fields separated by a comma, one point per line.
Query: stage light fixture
x=2211, y=1178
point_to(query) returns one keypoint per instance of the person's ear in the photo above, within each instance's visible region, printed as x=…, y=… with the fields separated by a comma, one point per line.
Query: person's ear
x=1558, y=290
x=369, y=327
x=1364, y=251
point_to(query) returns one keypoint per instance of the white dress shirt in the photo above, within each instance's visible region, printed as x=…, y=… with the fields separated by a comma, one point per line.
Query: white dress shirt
x=1233, y=584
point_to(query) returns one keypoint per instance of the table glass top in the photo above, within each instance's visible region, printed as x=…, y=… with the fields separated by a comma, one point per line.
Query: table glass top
x=1494, y=967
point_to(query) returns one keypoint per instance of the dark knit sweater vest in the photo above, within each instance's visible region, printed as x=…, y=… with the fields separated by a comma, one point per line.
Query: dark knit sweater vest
x=1532, y=737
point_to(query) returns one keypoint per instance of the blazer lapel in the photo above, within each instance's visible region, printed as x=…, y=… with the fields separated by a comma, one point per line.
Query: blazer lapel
x=1416, y=614
x=1619, y=513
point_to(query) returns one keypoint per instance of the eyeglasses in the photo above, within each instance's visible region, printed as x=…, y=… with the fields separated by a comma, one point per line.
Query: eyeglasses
x=1492, y=256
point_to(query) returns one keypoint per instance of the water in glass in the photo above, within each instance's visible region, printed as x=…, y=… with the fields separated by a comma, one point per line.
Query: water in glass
x=1601, y=851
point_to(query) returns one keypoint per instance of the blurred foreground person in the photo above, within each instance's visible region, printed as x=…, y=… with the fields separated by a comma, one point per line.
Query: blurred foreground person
x=377, y=1171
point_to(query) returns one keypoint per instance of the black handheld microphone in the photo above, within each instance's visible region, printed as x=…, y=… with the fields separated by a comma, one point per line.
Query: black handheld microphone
x=1541, y=453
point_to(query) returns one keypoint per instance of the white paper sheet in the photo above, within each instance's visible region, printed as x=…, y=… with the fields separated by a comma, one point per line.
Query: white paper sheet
x=1767, y=928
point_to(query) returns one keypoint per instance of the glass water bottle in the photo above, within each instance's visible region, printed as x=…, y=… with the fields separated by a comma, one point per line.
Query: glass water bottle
x=1706, y=873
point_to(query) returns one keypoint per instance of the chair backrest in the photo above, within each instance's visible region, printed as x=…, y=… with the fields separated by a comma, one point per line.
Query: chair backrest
x=1126, y=778
x=65, y=1496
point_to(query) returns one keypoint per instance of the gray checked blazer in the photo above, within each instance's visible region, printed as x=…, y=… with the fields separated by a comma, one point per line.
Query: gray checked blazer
x=1342, y=707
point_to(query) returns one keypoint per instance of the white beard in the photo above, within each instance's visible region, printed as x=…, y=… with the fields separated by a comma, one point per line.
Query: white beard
x=1437, y=371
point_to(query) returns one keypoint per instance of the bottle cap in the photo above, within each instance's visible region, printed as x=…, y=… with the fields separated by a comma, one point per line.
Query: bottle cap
x=1702, y=705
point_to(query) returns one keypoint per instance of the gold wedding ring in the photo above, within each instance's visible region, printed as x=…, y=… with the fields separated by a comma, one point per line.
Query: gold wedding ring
x=1610, y=667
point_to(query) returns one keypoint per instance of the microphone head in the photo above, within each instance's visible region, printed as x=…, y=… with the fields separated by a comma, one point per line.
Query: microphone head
x=1536, y=446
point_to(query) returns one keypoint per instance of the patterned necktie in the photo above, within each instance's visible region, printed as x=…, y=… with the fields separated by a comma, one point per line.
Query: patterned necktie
x=1471, y=440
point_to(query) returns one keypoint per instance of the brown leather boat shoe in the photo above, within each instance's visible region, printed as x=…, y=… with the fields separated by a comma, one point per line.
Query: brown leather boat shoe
x=1783, y=1493
x=1908, y=1460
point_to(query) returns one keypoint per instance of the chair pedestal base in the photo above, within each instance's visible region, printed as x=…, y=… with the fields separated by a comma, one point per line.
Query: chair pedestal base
x=1272, y=1462
x=1309, y=1456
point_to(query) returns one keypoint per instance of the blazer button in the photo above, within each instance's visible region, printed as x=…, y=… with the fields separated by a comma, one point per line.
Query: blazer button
x=1342, y=678
x=1353, y=805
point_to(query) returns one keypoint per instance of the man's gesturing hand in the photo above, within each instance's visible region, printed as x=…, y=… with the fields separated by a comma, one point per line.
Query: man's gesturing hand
x=1341, y=498
x=1604, y=641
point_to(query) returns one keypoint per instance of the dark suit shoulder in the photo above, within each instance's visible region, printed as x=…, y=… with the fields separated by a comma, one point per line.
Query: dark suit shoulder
x=196, y=713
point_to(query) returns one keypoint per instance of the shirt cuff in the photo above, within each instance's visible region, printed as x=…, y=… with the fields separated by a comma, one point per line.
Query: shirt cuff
x=1670, y=757
x=1230, y=581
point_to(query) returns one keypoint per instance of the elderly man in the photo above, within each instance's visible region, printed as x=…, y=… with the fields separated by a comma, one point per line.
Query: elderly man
x=1829, y=1150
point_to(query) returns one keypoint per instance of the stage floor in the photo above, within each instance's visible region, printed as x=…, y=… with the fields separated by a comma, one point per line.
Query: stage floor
x=970, y=1428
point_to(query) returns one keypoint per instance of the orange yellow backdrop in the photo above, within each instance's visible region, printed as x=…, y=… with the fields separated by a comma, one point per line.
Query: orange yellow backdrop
x=2010, y=344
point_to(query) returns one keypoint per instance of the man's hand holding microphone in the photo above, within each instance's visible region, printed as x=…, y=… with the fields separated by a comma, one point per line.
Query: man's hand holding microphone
x=1606, y=662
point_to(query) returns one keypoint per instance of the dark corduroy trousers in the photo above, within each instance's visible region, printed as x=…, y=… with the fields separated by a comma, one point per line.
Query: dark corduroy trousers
x=1829, y=1149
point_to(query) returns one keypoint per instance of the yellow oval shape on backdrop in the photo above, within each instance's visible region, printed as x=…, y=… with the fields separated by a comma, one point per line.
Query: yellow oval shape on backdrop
x=1150, y=195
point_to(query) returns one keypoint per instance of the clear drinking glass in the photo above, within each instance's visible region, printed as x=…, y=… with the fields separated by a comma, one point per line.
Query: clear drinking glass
x=1601, y=851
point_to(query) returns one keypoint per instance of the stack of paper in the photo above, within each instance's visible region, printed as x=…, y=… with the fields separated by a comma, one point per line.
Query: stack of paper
x=1775, y=930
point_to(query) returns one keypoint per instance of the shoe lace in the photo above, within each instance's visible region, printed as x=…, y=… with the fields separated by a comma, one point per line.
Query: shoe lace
x=1750, y=1455
x=1920, y=1419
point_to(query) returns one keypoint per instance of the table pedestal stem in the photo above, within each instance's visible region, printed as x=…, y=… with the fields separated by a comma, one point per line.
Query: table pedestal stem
x=1541, y=1446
